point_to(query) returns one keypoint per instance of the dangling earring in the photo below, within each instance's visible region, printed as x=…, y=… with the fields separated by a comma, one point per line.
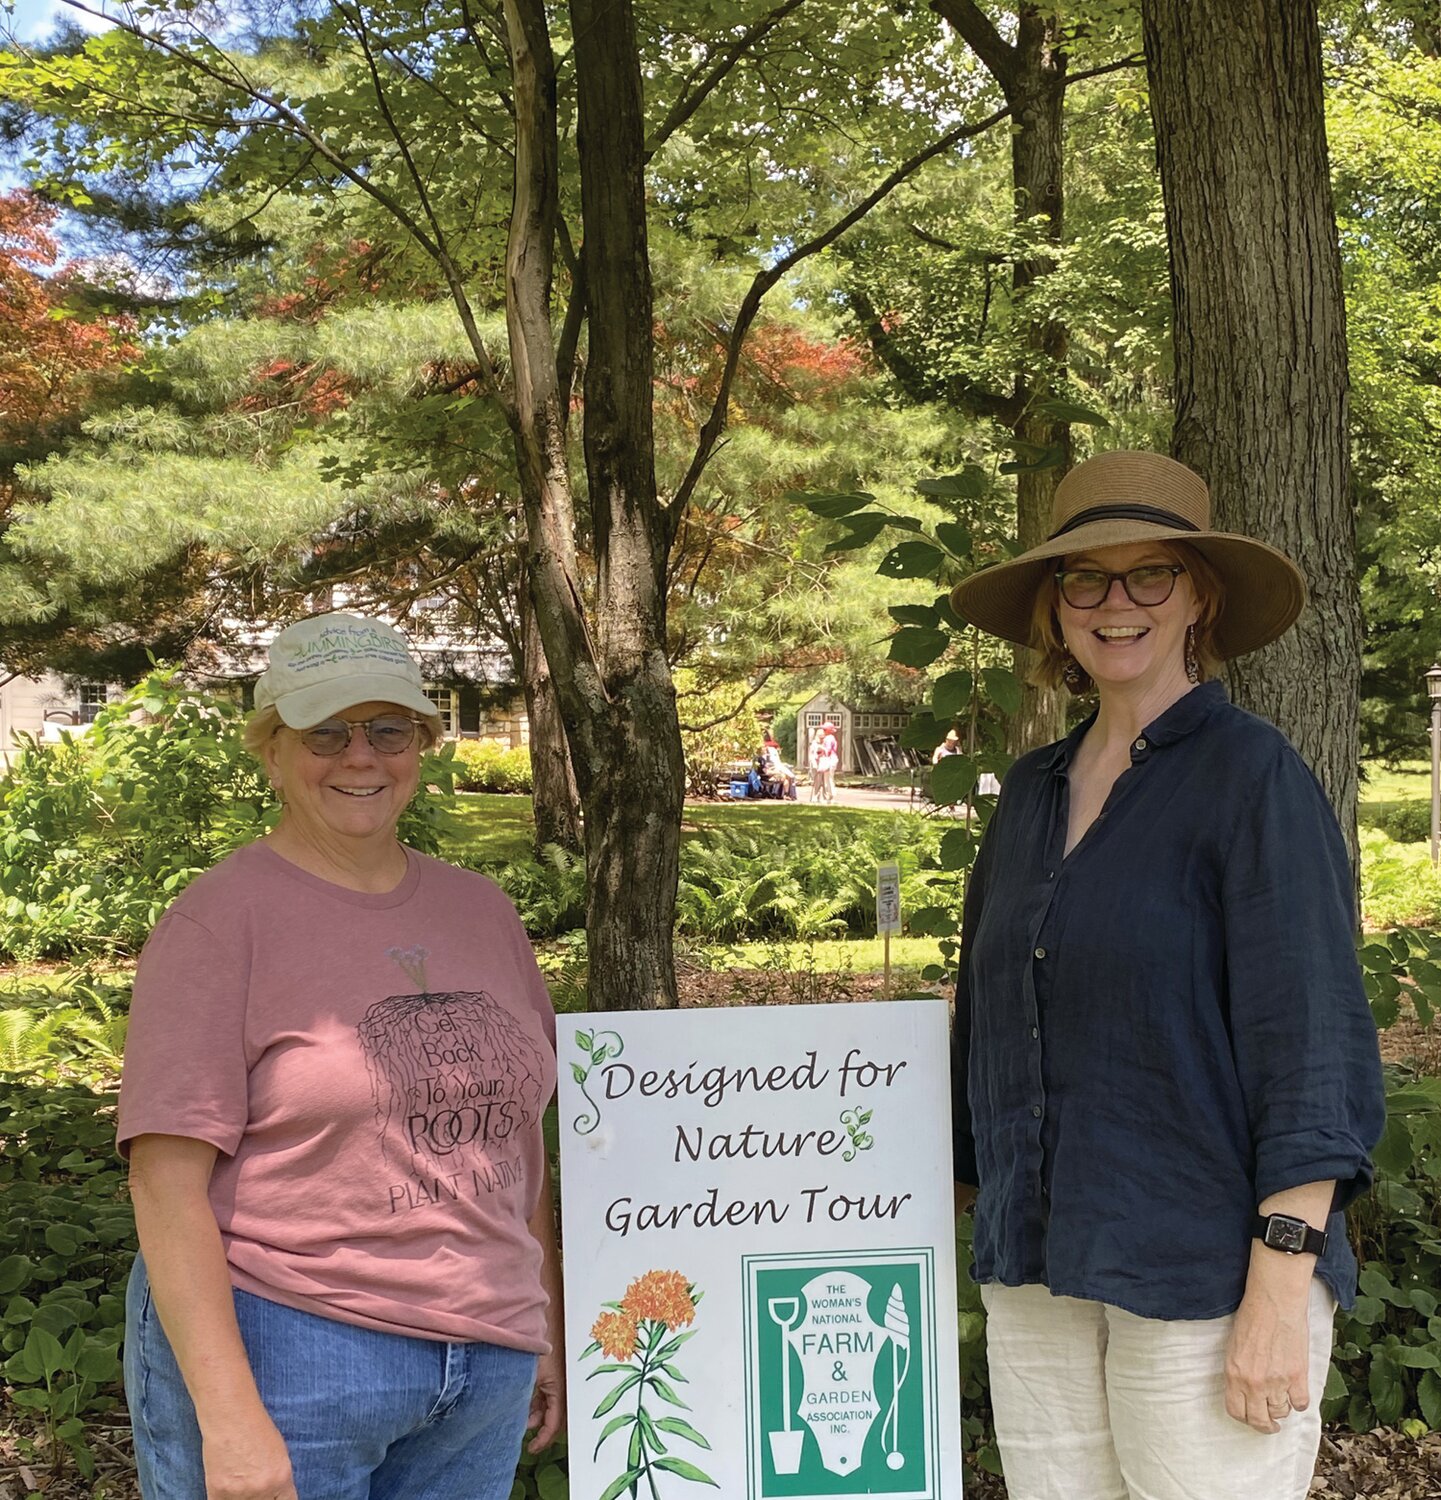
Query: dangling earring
x=1072, y=675
x=1193, y=667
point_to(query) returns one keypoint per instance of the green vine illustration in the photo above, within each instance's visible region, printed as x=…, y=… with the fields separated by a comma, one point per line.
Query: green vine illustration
x=639, y=1339
x=855, y=1120
x=597, y=1046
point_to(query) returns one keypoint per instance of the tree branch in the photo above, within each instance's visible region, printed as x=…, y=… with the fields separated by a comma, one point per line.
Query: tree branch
x=970, y=22
x=294, y=122
x=726, y=718
x=765, y=280
x=690, y=101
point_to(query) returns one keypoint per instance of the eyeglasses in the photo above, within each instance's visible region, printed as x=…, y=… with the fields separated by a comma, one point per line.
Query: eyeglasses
x=389, y=734
x=1088, y=588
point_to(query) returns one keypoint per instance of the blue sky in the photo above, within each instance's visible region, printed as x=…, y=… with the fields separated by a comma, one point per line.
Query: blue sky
x=29, y=20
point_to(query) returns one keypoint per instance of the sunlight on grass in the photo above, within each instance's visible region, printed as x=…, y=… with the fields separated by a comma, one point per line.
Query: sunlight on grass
x=833, y=956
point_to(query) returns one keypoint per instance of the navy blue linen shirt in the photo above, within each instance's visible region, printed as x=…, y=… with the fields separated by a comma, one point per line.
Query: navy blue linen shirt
x=1165, y=1027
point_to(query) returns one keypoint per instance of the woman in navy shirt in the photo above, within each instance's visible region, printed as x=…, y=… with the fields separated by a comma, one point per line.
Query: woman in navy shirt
x=1167, y=1078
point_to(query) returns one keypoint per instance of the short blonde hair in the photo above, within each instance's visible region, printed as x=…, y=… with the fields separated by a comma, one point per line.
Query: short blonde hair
x=261, y=727
x=1047, y=641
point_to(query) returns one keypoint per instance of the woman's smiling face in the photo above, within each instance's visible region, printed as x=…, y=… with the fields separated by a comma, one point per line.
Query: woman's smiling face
x=357, y=794
x=1120, y=642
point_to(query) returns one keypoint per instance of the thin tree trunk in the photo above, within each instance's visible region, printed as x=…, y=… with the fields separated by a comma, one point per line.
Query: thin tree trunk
x=554, y=799
x=614, y=691
x=1260, y=337
x=1031, y=73
x=635, y=782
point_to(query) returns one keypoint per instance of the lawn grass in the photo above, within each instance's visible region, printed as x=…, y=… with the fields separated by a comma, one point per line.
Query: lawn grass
x=909, y=955
x=490, y=828
x=493, y=828
x=1382, y=786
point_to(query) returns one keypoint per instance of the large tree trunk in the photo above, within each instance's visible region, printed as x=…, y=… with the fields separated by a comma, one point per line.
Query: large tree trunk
x=1260, y=337
x=614, y=687
x=1031, y=72
x=554, y=798
x=634, y=782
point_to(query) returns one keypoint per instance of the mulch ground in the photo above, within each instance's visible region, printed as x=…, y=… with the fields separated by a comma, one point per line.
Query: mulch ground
x=1381, y=1465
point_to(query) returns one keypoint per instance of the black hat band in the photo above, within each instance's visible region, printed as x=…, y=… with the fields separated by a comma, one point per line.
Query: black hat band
x=1151, y=513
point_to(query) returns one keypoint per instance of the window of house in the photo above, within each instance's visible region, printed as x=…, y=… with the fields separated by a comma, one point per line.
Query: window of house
x=445, y=705
x=92, y=697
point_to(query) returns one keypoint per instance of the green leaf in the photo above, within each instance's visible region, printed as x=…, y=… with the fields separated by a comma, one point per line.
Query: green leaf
x=577, y=1072
x=952, y=779
x=1428, y=1398
x=915, y=614
x=914, y=646
x=680, y=1428
x=14, y=1272
x=1002, y=688
x=585, y=1039
x=684, y=1470
x=971, y=483
x=666, y=1391
x=618, y=1487
x=98, y=1362
x=552, y=1484
x=864, y=529
x=1059, y=410
x=609, y=1401
x=63, y=1239
x=1393, y=1154
x=832, y=507
x=1376, y=958
x=614, y=1425
x=956, y=539
x=922, y=733
x=951, y=694
x=45, y=1349
x=911, y=560
x=1045, y=458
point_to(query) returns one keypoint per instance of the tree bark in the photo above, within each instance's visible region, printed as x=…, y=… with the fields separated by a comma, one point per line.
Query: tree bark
x=1260, y=338
x=554, y=798
x=634, y=781
x=1031, y=72
x=614, y=689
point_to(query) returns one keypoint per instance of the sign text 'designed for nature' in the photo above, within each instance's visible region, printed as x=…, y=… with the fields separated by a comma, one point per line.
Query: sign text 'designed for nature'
x=760, y=1254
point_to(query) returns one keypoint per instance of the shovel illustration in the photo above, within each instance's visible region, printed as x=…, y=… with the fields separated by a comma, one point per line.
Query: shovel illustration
x=786, y=1444
x=898, y=1326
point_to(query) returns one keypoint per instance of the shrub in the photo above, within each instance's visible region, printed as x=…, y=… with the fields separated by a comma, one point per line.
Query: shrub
x=99, y=833
x=484, y=766
x=1399, y=885
x=1403, y=822
x=736, y=886
x=66, y=1242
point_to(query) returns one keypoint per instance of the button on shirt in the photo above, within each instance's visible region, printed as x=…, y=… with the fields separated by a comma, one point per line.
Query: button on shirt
x=1164, y=1027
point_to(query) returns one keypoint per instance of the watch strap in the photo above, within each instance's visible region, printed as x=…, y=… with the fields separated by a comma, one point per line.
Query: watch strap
x=1290, y=1235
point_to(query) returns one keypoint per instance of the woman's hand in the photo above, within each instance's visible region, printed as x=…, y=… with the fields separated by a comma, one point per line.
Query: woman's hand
x=246, y=1459
x=1269, y=1351
x=547, y=1405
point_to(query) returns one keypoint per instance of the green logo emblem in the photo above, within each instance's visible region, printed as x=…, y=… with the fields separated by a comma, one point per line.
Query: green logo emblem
x=840, y=1375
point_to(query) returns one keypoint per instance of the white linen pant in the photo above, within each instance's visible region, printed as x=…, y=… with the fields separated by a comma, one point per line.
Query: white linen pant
x=1093, y=1403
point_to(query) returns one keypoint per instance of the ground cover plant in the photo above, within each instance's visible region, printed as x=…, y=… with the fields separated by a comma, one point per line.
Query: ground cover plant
x=783, y=893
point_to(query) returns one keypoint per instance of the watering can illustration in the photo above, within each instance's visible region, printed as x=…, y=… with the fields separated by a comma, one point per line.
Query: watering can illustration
x=832, y=1351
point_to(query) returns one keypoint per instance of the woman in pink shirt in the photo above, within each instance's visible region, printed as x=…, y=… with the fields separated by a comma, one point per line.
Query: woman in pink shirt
x=339, y=1051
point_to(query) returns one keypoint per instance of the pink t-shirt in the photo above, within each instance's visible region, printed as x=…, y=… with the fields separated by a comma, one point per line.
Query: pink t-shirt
x=372, y=1070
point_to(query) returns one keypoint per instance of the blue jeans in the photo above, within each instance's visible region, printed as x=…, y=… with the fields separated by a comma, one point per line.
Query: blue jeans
x=365, y=1415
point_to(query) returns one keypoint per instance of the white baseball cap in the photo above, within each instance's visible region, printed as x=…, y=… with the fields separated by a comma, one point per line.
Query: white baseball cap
x=328, y=663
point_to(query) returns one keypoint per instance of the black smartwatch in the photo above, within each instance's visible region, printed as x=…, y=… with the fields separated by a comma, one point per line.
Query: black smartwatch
x=1291, y=1236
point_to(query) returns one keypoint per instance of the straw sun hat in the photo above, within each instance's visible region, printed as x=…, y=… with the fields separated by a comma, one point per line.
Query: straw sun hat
x=1123, y=497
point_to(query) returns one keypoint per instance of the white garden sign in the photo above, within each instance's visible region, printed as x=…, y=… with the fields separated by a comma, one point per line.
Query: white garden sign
x=760, y=1254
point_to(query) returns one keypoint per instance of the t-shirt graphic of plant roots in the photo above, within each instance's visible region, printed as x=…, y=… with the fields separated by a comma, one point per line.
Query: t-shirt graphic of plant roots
x=454, y=1070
